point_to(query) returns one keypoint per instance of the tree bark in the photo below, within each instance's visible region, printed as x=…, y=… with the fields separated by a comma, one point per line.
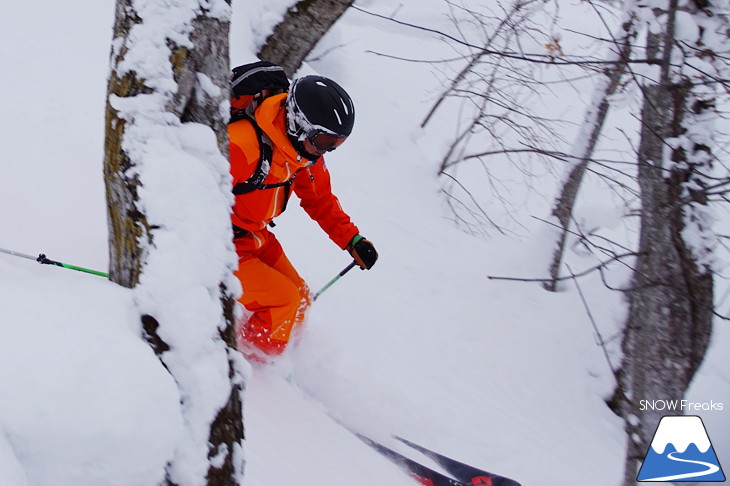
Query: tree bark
x=127, y=223
x=670, y=304
x=303, y=26
x=132, y=236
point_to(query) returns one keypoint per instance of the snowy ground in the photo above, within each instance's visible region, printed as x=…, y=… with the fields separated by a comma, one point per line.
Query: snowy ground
x=499, y=374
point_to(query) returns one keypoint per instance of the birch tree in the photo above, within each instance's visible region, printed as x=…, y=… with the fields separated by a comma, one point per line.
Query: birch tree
x=587, y=140
x=168, y=195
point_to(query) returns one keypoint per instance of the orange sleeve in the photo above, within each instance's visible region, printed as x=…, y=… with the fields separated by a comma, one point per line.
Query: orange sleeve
x=314, y=189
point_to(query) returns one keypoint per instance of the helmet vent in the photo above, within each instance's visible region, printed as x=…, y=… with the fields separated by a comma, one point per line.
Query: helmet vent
x=344, y=105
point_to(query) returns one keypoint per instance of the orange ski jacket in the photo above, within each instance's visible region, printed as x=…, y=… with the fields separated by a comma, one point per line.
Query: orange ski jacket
x=254, y=210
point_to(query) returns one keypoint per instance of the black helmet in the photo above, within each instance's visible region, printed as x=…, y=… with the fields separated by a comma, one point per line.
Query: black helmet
x=317, y=106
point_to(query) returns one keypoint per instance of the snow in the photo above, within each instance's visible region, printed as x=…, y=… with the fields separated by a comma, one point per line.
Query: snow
x=82, y=397
x=500, y=374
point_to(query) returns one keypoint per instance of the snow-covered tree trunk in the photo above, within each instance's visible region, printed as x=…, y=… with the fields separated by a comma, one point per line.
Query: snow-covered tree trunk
x=304, y=24
x=168, y=193
x=671, y=300
x=586, y=145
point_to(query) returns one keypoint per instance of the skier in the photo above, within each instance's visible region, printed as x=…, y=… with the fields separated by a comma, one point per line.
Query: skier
x=314, y=117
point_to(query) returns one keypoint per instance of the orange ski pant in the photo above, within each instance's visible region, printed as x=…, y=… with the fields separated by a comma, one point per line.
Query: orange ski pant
x=272, y=290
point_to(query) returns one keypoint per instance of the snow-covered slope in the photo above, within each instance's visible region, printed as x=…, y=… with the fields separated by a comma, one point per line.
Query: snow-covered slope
x=293, y=439
x=499, y=374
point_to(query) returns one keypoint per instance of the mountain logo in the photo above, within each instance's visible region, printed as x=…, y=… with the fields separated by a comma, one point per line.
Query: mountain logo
x=681, y=450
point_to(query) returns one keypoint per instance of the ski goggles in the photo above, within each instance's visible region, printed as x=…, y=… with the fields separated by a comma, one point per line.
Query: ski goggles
x=325, y=141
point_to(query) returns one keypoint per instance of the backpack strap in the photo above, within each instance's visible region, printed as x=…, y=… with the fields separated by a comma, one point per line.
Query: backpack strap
x=256, y=181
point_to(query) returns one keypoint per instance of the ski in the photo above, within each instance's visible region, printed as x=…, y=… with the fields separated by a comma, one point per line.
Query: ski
x=458, y=473
x=463, y=472
x=422, y=474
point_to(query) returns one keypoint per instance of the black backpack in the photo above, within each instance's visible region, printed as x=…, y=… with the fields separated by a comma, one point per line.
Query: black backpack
x=251, y=84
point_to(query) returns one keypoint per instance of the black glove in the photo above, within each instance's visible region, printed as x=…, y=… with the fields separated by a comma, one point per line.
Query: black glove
x=363, y=252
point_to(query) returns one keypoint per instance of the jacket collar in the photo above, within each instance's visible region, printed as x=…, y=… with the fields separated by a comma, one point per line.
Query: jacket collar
x=271, y=118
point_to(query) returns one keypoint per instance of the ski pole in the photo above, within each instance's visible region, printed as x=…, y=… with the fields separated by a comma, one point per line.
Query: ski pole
x=337, y=277
x=44, y=260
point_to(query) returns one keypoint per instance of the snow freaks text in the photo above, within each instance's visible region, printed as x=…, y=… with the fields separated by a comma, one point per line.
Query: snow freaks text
x=680, y=406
